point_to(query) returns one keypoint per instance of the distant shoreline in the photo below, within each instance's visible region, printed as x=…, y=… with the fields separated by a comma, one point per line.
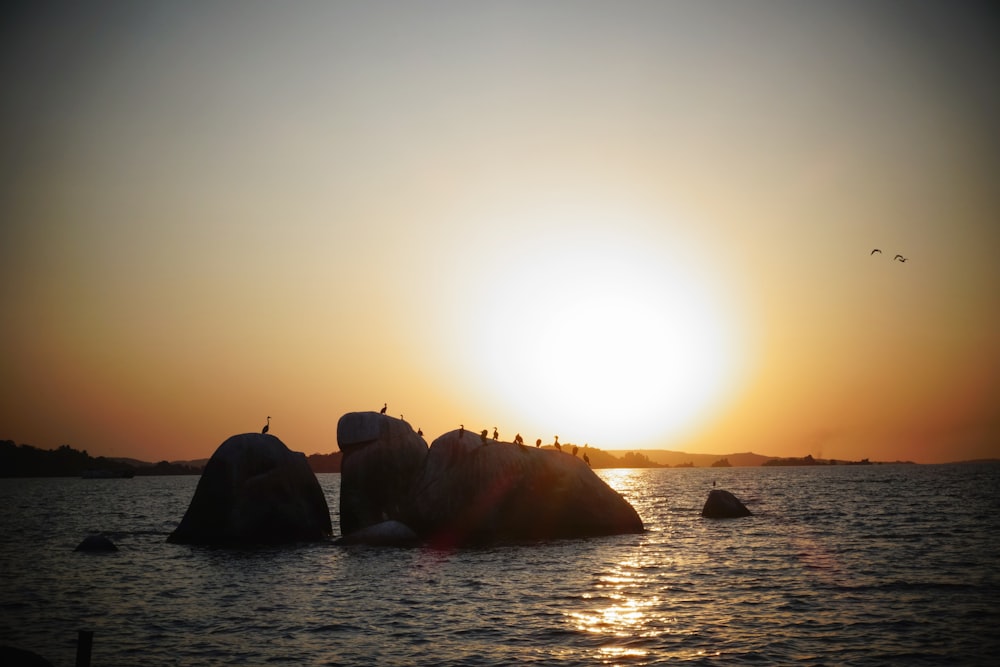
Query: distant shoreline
x=64, y=461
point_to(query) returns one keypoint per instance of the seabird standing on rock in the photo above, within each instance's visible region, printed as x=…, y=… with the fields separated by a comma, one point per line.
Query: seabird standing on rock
x=267, y=426
x=385, y=406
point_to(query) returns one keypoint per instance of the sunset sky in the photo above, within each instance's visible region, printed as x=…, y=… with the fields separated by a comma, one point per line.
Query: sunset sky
x=629, y=224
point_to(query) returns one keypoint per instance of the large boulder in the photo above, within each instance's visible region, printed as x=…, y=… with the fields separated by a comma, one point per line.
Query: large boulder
x=723, y=505
x=381, y=457
x=475, y=491
x=255, y=490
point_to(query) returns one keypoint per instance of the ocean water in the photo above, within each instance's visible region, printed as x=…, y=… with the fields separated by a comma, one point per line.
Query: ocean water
x=859, y=565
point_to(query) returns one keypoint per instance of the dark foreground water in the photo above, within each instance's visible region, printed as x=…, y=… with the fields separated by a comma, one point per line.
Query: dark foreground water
x=869, y=565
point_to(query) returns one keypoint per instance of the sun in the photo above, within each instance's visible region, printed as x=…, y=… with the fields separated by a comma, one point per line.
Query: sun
x=605, y=336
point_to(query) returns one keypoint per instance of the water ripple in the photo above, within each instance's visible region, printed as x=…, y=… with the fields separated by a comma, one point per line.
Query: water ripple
x=861, y=565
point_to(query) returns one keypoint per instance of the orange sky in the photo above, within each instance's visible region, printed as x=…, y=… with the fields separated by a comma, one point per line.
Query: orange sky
x=631, y=224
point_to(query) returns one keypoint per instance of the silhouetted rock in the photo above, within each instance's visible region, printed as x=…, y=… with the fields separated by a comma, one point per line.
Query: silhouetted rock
x=382, y=455
x=96, y=543
x=387, y=533
x=723, y=505
x=255, y=490
x=471, y=494
x=464, y=490
x=17, y=657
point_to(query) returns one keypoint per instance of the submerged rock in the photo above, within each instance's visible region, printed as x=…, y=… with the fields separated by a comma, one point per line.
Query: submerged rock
x=387, y=533
x=255, y=490
x=96, y=543
x=11, y=656
x=723, y=505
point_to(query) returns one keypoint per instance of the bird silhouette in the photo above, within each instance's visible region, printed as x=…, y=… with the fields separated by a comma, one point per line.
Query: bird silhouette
x=267, y=426
x=876, y=250
x=899, y=258
x=385, y=406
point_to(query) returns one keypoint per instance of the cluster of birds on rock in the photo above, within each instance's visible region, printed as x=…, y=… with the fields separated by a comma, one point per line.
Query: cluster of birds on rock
x=519, y=441
x=897, y=258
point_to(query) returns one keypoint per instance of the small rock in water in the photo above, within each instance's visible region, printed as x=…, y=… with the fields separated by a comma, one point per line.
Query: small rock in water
x=723, y=505
x=387, y=533
x=96, y=543
x=17, y=657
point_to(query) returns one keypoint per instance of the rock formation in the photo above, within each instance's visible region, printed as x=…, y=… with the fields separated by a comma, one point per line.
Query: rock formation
x=471, y=493
x=723, y=505
x=465, y=490
x=382, y=455
x=387, y=533
x=255, y=490
x=96, y=543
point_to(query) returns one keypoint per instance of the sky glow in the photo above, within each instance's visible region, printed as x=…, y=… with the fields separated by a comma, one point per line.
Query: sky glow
x=630, y=224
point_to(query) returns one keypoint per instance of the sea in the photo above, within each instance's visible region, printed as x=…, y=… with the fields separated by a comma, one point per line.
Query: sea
x=839, y=565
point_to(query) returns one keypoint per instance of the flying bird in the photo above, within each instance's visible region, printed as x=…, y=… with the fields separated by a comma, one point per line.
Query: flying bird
x=899, y=258
x=267, y=426
x=876, y=250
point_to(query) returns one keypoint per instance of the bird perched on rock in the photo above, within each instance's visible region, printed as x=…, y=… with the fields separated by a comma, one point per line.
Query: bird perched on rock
x=385, y=406
x=267, y=426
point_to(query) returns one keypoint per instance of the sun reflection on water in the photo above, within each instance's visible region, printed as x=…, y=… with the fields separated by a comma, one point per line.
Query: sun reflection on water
x=620, y=479
x=623, y=612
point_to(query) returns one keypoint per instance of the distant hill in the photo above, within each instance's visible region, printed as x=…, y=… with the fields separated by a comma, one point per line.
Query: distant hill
x=673, y=458
x=325, y=462
x=27, y=461
x=64, y=461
